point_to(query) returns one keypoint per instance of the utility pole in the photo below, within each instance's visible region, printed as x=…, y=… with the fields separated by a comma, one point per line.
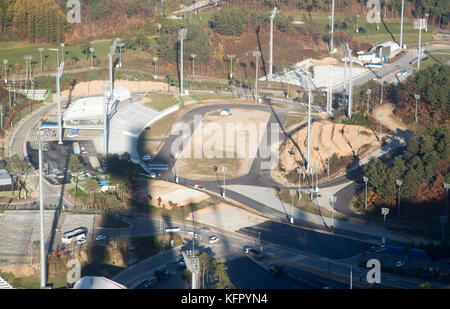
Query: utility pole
x=272, y=17
x=231, y=65
x=40, y=51
x=193, y=64
x=401, y=25
x=155, y=60
x=181, y=36
x=41, y=215
x=58, y=95
x=366, y=179
x=256, y=54
x=399, y=184
x=417, y=97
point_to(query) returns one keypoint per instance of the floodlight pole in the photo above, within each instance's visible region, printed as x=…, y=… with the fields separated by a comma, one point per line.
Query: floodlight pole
x=272, y=17
x=193, y=64
x=332, y=26
x=58, y=90
x=62, y=51
x=41, y=216
x=401, y=24
x=231, y=65
x=420, y=47
x=350, y=92
x=155, y=60
x=417, y=97
x=182, y=36
x=369, y=91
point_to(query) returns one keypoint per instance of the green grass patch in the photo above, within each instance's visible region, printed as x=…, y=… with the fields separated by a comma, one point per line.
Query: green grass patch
x=293, y=119
x=160, y=102
x=208, y=166
x=433, y=59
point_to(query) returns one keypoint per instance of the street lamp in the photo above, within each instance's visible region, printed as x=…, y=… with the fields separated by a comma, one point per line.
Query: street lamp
x=366, y=179
x=224, y=171
x=177, y=155
x=5, y=63
x=399, y=184
x=292, y=193
x=40, y=51
x=369, y=91
x=357, y=26
x=401, y=24
x=155, y=60
x=333, y=199
x=417, y=97
x=272, y=17
x=91, y=50
x=181, y=36
x=332, y=27
x=62, y=51
x=348, y=54
x=231, y=65
x=300, y=171
x=256, y=54
x=193, y=64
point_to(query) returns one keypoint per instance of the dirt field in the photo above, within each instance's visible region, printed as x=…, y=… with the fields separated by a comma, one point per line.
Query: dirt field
x=325, y=61
x=97, y=87
x=342, y=138
x=222, y=149
x=168, y=192
x=20, y=270
x=389, y=120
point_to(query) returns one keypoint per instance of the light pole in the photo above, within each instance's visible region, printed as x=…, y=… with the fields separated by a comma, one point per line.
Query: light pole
x=120, y=45
x=384, y=212
x=62, y=51
x=41, y=214
x=58, y=90
x=348, y=54
x=357, y=144
x=366, y=179
x=308, y=158
x=401, y=24
x=317, y=164
x=381, y=95
x=292, y=193
x=399, y=184
x=155, y=60
x=193, y=64
x=231, y=65
x=5, y=63
x=328, y=152
x=417, y=97
x=333, y=199
x=272, y=17
x=357, y=22
x=159, y=30
x=300, y=171
x=91, y=50
x=446, y=186
x=332, y=27
x=256, y=54
x=40, y=52
x=177, y=155
x=181, y=36
x=369, y=91
x=224, y=171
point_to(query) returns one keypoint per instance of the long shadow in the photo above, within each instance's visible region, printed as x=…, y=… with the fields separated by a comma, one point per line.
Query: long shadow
x=260, y=49
x=387, y=29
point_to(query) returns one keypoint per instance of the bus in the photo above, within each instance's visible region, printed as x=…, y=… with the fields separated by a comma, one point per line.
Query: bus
x=172, y=229
x=76, y=233
x=373, y=65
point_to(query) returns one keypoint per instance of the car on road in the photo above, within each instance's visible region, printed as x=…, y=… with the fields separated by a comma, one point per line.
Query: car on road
x=199, y=186
x=81, y=241
x=100, y=237
x=213, y=239
x=146, y=157
x=399, y=264
x=380, y=249
x=204, y=228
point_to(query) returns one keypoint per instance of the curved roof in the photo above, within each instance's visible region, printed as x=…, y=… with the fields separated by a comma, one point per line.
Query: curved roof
x=90, y=282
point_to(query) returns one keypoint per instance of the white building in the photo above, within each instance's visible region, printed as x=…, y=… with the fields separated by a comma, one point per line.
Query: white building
x=390, y=49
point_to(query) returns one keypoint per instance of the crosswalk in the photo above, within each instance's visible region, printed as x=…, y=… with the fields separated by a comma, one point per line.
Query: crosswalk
x=4, y=284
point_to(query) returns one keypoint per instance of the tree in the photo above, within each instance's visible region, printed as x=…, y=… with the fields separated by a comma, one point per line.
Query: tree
x=17, y=168
x=75, y=165
x=85, y=46
x=91, y=185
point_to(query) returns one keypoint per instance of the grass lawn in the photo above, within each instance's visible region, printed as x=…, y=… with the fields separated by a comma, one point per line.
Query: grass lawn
x=206, y=166
x=435, y=59
x=204, y=97
x=160, y=102
x=293, y=119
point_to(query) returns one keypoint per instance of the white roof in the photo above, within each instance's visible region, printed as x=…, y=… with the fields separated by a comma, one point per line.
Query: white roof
x=393, y=45
x=5, y=178
x=92, y=108
x=90, y=282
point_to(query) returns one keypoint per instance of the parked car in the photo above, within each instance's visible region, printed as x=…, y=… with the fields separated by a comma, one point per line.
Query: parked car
x=199, y=186
x=399, y=264
x=81, y=241
x=100, y=237
x=213, y=239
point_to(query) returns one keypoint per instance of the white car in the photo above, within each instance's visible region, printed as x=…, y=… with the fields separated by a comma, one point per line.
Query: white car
x=213, y=239
x=81, y=241
x=100, y=237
